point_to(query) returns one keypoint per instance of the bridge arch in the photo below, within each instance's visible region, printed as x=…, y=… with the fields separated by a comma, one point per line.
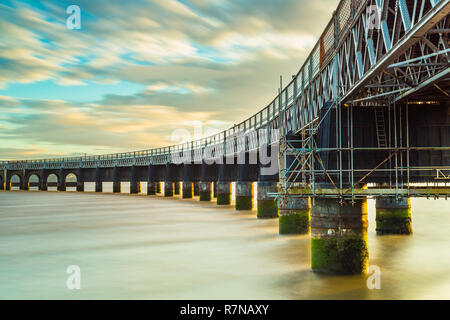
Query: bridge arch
x=70, y=181
x=52, y=180
x=15, y=181
x=33, y=180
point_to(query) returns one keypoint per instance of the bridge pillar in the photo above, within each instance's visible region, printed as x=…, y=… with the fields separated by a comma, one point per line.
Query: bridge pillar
x=170, y=178
x=80, y=180
x=205, y=191
x=246, y=174
x=158, y=187
x=24, y=185
x=43, y=181
x=61, y=181
x=214, y=190
x=176, y=188
x=227, y=173
x=151, y=180
x=196, y=188
x=116, y=180
x=187, y=190
x=294, y=215
x=135, y=186
x=393, y=216
x=98, y=180
x=267, y=206
x=339, y=242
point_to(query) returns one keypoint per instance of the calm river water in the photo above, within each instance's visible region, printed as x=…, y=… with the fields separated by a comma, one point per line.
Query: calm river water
x=139, y=247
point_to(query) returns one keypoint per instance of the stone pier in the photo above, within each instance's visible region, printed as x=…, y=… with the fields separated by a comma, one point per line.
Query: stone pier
x=135, y=185
x=393, y=216
x=98, y=180
x=176, y=188
x=339, y=242
x=294, y=215
x=116, y=181
x=205, y=191
x=188, y=190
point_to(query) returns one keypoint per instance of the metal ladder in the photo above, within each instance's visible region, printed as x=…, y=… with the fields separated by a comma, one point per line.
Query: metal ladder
x=380, y=127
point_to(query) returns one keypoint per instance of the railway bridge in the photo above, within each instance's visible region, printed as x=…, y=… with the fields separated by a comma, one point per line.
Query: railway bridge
x=366, y=116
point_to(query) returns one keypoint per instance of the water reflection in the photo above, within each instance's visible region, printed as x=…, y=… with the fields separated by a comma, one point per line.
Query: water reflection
x=139, y=247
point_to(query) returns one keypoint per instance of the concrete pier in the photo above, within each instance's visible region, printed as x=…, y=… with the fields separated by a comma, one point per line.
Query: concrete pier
x=116, y=181
x=188, y=190
x=80, y=180
x=224, y=193
x=135, y=185
x=267, y=207
x=244, y=195
x=339, y=242
x=98, y=180
x=176, y=188
x=196, y=188
x=294, y=215
x=158, y=187
x=168, y=188
x=151, y=188
x=393, y=216
x=205, y=191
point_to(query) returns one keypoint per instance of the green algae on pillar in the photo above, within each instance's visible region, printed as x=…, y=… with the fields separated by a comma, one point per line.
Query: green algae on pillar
x=244, y=195
x=187, y=190
x=393, y=216
x=294, y=215
x=168, y=189
x=267, y=207
x=339, y=242
x=205, y=191
x=223, y=193
x=80, y=186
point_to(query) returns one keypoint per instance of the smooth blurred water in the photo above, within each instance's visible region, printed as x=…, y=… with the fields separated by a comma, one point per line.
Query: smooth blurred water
x=139, y=247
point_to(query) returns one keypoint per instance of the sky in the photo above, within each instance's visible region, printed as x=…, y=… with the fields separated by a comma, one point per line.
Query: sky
x=140, y=74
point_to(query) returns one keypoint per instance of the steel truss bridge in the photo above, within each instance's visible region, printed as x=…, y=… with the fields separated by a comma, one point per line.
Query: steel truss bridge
x=386, y=56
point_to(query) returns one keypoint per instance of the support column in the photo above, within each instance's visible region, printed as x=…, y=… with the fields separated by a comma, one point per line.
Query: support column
x=205, y=191
x=168, y=189
x=25, y=185
x=158, y=187
x=214, y=189
x=80, y=180
x=196, y=188
x=176, y=188
x=61, y=181
x=135, y=186
x=244, y=195
x=339, y=242
x=151, y=181
x=294, y=215
x=267, y=184
x=43, y=181
x=187, y=190
x=116, y=181
x=98, y=180
x=223, y=193
x=2, y=185
x=393, y=216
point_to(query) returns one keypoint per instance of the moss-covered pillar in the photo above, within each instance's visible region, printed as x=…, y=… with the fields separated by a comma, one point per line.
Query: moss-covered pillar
x=196, y=188
x=176, y=188
x=205, y=191
x=294, y=215
x=393, y=216
x=98, y=180
x=170, y=178
x=80, y=180
x=214, y=190
x=223, y=193
x=116, y=181
x=135, y=185
x=246, y=174
x=267, y=207
x=244, y=195
x=188, y=187
x=339, y=243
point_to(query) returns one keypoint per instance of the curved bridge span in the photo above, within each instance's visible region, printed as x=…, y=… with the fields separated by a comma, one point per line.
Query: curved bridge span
x=367, y=115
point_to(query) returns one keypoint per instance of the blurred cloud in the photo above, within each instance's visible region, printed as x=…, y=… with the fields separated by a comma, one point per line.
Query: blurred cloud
x=138, y=70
